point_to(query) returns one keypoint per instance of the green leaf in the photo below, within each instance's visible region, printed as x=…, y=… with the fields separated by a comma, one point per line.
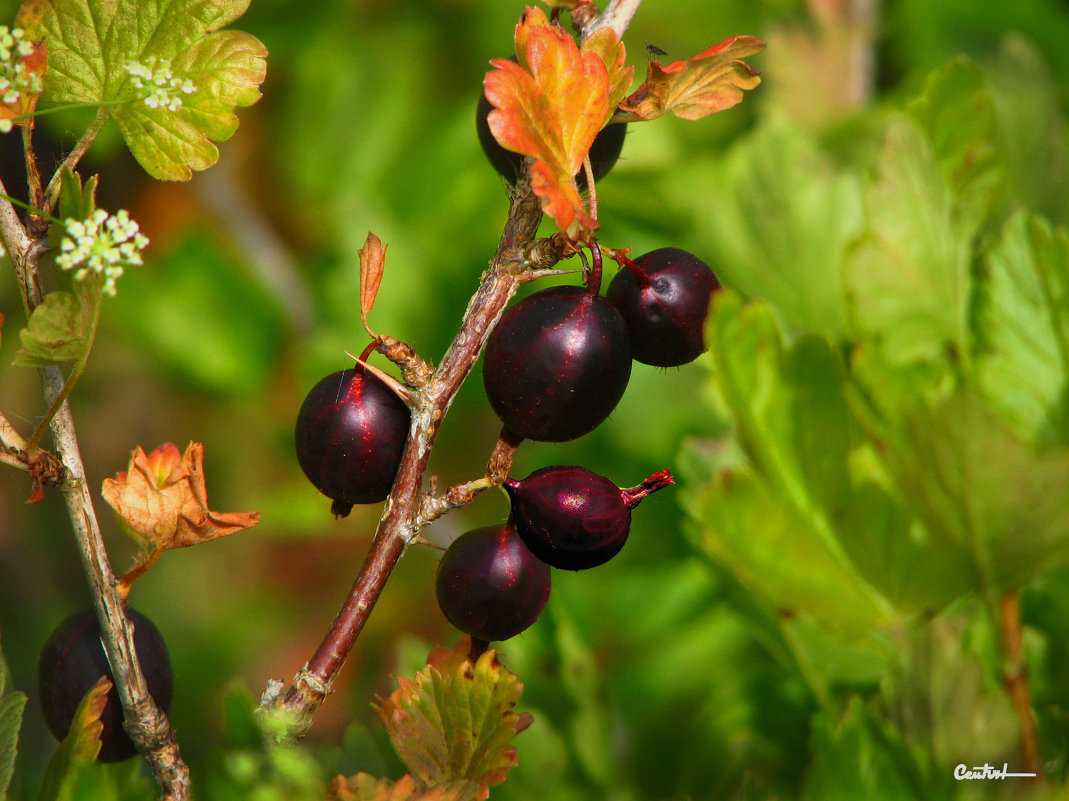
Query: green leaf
x=908, y=276
x=90, y=42
x=59, y=331
x=774, y=517
x=77, y=202
x=11, y=707
x=1022, y=322
x=859, y=755
x=453, y=722
x=957, y=114
x=970, y=480
x=80, y=747
x=784, y=226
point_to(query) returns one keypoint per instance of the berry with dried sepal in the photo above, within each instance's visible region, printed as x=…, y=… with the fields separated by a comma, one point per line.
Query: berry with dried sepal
x=350, y=434
x=664, y=297
x=489, y=585
x=573, y=518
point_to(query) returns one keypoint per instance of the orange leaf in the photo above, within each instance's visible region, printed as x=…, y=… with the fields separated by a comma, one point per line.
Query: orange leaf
x=34, y=64
x=163, y=501
x=550, y=106
x=711, y=81
x=372, y=264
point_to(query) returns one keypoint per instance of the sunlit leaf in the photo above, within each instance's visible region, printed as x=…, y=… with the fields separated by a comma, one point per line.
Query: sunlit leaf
x=92, y=43
x=711, y=81
x=81, y=745
x=365, y=787
x=1023, y=367
x=453, y=722
x=11, y=707
x=908, y=275
x=550, y=106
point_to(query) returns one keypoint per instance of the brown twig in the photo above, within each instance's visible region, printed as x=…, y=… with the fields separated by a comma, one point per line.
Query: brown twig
x=147, y=724
x=1015, y=676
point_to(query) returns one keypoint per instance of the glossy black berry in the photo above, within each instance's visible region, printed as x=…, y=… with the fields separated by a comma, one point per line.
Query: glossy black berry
x=573, y=518
x=73, y=660
x=489, y=585
x=557, y=364
x=350, y=433
x=604, y=152
x=664, y=297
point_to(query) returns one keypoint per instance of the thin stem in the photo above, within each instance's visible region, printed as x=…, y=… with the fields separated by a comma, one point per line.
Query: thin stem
x=75, y=156
x=617, y=16
x=1015, y=677
x=33, y=171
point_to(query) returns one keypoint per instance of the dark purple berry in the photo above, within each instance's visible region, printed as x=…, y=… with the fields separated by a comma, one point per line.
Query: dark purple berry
x=489, y=585
x=73, y=660
x=664, y=297
x=351, y=431
x=603, y=153
x=573, y=518
x=557, y=364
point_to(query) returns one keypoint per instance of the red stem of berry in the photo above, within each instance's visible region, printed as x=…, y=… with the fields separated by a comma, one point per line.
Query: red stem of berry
x=639, y=273
x=658, y=480
x=593, y=284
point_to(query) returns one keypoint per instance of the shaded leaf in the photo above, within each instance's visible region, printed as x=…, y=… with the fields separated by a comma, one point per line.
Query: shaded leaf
x=1023, y=366
x=77, y=201
x=11, y=707
x=908, y=275
x=711, y=81
x=162, y=501
x=956, y=113
x=971, y=480
x=785, y=225
x=80, y=746
x=58, y=331
x=364, y=787
x=453, y=722
x=92, y=42
x=550, y=106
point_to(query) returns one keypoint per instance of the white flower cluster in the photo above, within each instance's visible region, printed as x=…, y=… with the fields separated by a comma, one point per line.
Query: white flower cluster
x=164, y=90
x=14, y=77
x=102, y=244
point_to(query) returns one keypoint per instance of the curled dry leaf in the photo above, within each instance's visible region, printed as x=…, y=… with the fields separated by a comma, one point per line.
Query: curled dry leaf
x=711, y=81
x=372, y=264
x=551, y=105
x=162, y=501
x=33, y=63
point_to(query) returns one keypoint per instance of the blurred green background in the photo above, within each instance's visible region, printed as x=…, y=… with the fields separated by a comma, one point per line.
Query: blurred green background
x=647, y=677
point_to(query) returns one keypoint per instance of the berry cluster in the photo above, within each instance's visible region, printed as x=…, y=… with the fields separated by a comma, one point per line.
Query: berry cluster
x=556, y=365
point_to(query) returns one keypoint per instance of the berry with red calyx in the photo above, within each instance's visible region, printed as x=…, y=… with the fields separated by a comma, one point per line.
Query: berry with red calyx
x=350, y=434
x=73, y=661
x=489, y=585
x=664, y=297
x=604, y=152
x=557, y=364
x=572, y=518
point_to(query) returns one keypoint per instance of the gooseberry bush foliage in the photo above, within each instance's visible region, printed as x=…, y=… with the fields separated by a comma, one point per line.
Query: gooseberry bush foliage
x=877, y=491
